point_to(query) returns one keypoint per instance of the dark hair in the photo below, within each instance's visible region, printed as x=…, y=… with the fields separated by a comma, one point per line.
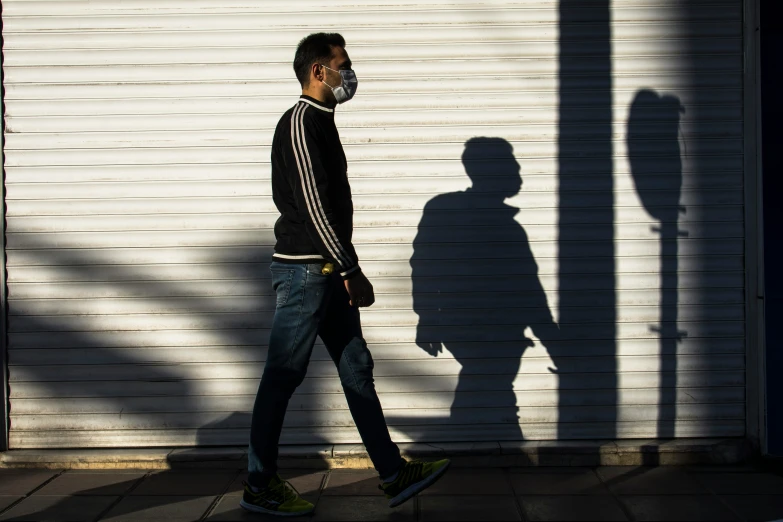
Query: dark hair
x=314, y=48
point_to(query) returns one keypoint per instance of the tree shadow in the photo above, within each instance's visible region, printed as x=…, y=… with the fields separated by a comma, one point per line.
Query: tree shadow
x=462, y=304
x=657, y=175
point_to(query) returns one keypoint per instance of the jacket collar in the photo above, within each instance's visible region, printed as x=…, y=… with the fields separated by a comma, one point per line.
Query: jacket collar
x=315, y=103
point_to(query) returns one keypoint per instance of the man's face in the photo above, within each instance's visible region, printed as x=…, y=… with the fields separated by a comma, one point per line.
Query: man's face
x=339, y=61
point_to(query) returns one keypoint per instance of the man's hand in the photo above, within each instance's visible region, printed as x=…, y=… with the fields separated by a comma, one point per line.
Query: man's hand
x=432, y=348
x=360, y=290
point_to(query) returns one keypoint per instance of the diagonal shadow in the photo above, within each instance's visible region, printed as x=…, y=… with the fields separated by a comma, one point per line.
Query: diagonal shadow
x=107, y=347
x=145, y=392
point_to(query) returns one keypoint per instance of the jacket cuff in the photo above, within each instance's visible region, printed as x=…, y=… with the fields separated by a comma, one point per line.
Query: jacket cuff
x=351, y=272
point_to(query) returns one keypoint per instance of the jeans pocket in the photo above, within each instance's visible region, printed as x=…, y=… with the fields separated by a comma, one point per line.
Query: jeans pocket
x=281, y=282
x=316, y=269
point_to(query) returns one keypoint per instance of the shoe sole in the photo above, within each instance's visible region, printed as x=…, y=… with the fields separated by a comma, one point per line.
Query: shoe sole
x=414, y=489
x=259, y=509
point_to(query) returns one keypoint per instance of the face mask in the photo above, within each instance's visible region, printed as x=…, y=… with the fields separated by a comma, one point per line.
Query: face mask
x=347, y=88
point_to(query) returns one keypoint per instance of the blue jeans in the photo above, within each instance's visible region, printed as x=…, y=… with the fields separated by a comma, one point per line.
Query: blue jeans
x=309, y=304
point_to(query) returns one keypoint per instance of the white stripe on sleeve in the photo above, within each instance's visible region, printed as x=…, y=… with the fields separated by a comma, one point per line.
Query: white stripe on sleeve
x=310, y=191
x=317, y=200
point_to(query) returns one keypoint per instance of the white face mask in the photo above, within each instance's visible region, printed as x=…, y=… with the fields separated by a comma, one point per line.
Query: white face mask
x=346, y=90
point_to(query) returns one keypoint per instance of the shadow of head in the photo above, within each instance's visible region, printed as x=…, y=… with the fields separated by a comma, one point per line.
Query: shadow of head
x=491, y=166
x=654, y=152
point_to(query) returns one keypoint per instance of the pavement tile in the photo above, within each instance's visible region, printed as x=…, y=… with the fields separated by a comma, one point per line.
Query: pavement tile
x=113, y=484
x=676, y=507
x=756, y=507
x=547, y=470
x=363, y=508
x=236, y=485
x=228, y=510
x=568, y=507
x=168, y=508
x=58, y=508
x=181, y=483
x=7, y=500
x=721, y=468
x=742, y=483
x=305, y=482
x=489, y=461
x=23, y=481
x=630, y=480
x=352, y=483
x=585, y=482
x=471, y=482
x=467, y=507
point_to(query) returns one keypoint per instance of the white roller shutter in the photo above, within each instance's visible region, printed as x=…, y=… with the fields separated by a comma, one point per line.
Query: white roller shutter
x=139, y=218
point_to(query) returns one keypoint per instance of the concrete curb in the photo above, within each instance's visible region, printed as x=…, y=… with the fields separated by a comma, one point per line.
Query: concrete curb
x=354, y=456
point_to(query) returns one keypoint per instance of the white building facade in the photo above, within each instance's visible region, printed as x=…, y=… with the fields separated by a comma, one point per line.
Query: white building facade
x=554, y=201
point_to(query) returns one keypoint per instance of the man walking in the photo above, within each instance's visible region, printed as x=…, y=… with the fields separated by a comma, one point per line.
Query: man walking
x=319, y=287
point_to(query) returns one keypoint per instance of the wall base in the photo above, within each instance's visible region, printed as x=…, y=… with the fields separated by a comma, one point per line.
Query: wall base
x=678, y=452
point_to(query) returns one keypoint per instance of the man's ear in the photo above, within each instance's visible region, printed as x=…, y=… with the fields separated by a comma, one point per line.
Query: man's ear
x=316, y=72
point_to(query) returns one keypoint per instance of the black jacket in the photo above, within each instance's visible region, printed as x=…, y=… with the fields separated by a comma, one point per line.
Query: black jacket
x=310, y=189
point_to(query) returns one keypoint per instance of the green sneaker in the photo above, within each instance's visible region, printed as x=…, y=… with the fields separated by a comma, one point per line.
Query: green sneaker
x=278, y=498
x=414, y=477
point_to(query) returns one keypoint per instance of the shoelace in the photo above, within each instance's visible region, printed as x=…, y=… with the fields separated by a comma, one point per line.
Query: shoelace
x=414, y=470
x=285, y=485
x=287, y=488
x=411, y=470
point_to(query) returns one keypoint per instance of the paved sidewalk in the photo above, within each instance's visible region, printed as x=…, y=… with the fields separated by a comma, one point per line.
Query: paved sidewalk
x=606, y=493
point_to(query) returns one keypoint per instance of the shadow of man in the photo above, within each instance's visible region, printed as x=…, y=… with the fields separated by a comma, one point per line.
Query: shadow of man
x=476, y=289
x=656, y=165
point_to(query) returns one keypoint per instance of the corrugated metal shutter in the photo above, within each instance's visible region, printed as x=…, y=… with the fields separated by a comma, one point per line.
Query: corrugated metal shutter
x=139, y=217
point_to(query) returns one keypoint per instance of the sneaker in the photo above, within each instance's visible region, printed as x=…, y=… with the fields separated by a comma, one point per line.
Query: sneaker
x=414, y=477
x=278, y=498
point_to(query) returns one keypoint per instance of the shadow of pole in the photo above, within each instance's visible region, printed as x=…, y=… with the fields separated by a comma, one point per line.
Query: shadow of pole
x=653, y=124
x=585, y=149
